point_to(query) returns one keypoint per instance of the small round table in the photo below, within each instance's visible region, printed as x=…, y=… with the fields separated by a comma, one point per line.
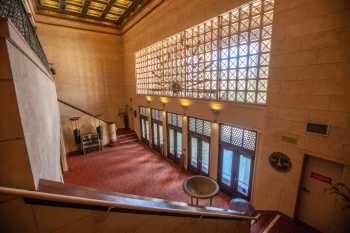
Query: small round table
x=201, y=187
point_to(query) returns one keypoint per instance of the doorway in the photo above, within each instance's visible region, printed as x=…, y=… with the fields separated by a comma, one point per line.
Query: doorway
x=317, y=206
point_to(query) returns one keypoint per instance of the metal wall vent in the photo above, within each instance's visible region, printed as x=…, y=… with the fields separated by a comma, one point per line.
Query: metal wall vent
x=317, y=128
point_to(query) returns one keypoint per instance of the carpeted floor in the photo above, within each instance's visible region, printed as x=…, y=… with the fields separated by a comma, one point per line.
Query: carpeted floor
x=132, y=168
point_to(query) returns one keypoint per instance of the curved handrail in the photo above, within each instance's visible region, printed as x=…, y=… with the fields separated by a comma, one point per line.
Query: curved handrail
x=81, y=110
x=146, y=205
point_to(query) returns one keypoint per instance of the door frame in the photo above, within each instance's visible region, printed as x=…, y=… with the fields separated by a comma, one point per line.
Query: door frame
x=200, y=139
x=144, y=140
x=237, y=151
x=159, y=147
x=171, y=156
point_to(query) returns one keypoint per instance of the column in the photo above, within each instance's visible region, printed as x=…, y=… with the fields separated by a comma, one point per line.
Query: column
x=214, y=152
x=185, y=141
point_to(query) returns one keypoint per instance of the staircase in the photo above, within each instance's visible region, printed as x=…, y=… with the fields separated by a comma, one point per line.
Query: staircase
x=125, y=136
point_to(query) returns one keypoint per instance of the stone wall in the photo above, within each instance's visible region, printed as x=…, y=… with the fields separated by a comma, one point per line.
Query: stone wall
x=30, y=127
x=89, y=69
x=309, y=81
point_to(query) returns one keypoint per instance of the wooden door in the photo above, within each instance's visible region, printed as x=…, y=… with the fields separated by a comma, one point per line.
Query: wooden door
x=317, y=207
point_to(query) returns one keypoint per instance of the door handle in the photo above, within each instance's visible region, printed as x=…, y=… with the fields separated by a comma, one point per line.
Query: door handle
x=304, y=189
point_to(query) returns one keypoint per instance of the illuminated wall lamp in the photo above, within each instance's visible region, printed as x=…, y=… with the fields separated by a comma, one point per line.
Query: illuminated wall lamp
x=185, y=103
x=216, y=108
x=164, y=101
x=148, y=99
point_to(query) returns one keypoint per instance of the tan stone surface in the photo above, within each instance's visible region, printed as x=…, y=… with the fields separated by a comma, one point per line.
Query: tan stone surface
x=39, y=114
x=309, y=81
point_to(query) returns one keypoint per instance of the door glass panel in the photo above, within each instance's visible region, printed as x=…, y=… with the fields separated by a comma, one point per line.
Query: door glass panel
x=244, y=174
x=147, y=130
x=226, y=167
x=178, y=144
x=194, y=151
x=155, y=134
x=160, y=135
x=171, y=142
x=205, y=157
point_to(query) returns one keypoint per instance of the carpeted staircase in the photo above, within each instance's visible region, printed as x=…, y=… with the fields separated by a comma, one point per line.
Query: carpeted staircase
x=124, y=137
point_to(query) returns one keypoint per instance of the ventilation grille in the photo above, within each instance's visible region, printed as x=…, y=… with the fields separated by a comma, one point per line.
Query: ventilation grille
x=317, y=128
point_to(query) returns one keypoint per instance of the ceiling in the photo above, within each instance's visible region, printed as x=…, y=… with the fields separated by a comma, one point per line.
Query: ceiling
x=105, y=12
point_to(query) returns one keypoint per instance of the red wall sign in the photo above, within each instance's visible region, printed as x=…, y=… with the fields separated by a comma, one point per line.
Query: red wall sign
x=321, y=178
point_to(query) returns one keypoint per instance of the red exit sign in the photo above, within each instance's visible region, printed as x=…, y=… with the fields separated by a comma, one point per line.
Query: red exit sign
x=320, y=177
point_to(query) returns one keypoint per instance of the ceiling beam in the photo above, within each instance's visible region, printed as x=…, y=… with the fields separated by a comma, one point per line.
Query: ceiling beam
x=85, y=7
x=62, y=4
x=108, y=7
x=132, y=8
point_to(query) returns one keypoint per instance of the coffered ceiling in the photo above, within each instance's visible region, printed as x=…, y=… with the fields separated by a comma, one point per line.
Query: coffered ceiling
x=105, y=12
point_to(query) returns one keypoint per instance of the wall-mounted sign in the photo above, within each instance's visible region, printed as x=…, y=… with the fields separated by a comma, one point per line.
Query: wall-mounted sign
x=322, y=178
x=280, y=161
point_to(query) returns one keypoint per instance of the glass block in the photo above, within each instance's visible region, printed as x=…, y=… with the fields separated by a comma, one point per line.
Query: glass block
x=241, y=84
x=253, y=61
x=244, y=25
x=232, y=85
x=262, y=85
x=261, y=98
x=232, y=65
x=231, y=95
x=250, y=97
x=252, y=73
x=255, y=35
x=264, y=59
x=240, y=96
x=254, y=48
x=266, y=32
x=266, y=46
x=242, y=62
x=243, y=50
x=251, y=85
x=243, y=38
x=233, y=51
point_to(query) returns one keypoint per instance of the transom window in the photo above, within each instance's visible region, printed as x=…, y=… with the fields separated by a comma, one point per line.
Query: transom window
x=224, y=58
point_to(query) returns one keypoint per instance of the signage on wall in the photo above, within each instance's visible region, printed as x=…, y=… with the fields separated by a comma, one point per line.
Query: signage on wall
x=322, y=178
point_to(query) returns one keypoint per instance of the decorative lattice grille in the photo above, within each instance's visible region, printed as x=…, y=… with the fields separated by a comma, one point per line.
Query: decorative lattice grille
x=224, y=58
x=157, y=115
x=174, y=119
x=14, y=10
x=143, y=111
x=199, y=126
x=240, y=137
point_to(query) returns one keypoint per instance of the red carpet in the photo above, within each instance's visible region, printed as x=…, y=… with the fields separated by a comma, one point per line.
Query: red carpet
x=132, y=168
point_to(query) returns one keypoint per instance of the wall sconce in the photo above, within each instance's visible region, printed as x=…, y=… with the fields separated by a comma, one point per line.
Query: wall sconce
x=185, y=103
x=148, y=99
x=216, y=108
x=164, y=101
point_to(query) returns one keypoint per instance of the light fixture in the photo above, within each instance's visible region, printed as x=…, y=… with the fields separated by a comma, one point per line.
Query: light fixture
x=215, y=108
x=185, y=103
x=164, y=101
x=148, y=98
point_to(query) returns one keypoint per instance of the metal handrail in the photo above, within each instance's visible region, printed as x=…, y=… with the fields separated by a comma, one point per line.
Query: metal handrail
x=196, y=212
x=15, y=10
